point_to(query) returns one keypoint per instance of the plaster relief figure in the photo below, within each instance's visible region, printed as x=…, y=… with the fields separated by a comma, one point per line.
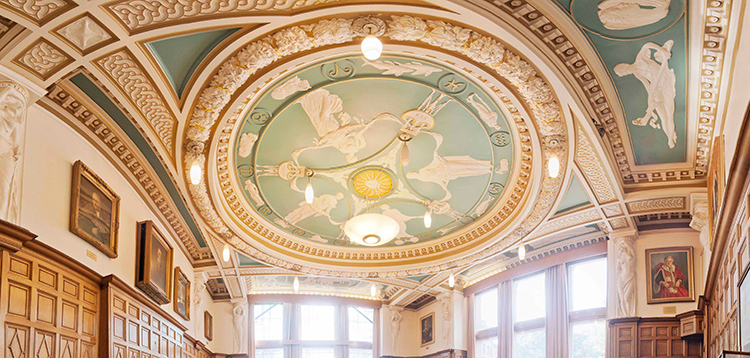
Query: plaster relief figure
x=254, y=192
x=629, y=14
x=444, y=169
x=290, y=87
x=247, y=140
x=321, y=206
x=400, y=218
x=485, y=113
x=13, y=100
x=397, y=69
x=625, y=276
x=239, y=313
x=651, y=67
x=395, y=327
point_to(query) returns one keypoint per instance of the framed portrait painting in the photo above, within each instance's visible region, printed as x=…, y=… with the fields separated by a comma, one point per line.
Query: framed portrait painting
x=153, y=263
x=208, y=325
x=670, y=275
x=181, y=294
x=94, y=210
x=744, y=312
x=715, y=183
x=427, y=329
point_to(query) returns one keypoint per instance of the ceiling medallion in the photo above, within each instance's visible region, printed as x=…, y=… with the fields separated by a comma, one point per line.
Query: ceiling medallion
x=372, y=182
x=534, y=91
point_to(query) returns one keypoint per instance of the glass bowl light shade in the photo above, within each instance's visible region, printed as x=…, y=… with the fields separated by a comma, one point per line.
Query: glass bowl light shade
x=372, y=47
x=371, y=229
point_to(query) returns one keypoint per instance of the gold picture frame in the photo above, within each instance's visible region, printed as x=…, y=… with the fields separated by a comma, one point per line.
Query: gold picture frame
x=716, y=182
x=94, y=210
x=673, y=281
x=153, y=268
x=208, y=326
x=181, y=291
x=427, y=329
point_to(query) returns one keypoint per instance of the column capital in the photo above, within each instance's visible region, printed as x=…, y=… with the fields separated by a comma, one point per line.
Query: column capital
x=624, y=233
x=33, y=91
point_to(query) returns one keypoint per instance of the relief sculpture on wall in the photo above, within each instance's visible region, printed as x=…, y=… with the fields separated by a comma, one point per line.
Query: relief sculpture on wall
x=13, y=99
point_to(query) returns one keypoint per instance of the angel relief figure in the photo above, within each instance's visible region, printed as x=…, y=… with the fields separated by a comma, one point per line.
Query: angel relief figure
x=651, y=67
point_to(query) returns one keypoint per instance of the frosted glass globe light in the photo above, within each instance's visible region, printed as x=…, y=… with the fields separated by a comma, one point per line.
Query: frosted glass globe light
x=522, y=252
x=372, y=47
x=295, y=284
x=196, y=173
x=309, y=193
x=371, y=229
x=225, y=253
x=553, y=166
x=373, y=290
x=428, y=219
x=451, y=281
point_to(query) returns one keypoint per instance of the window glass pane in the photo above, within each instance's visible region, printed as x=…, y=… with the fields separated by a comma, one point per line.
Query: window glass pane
x=485, y=311
x=528, y=298
x=318, y=323
x=317, y=352
x=588, y=284
x=360, y=324
x=360, y=353
x=269, y=353
x=529, y=344
x=486, y=348
x=588, y=339
x=269, y=322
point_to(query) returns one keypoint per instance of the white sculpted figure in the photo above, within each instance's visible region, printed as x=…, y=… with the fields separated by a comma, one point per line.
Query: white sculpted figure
x=322, y=106
x=625, y=271
x=290, y=87
x=321, y=206
x=395, y=327
x=239, y=312
x=629, y=14
x=651, y=67
x=485, y=113
x=400, y=218
x=13, y=99
x=254, y=192
x=247, y=140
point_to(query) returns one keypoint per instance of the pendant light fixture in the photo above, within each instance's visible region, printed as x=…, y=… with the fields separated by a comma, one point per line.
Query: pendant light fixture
x=373, y=290
x=295, y=284
x=428, y=218
x=553, y=166
x=309, y=193
x=451, y=281
x=372, y=47
x=371, y=228
x=522, y=251
x=196, y=173
x=225, y=253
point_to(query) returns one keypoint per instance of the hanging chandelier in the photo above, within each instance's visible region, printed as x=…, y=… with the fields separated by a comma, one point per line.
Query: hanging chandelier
x=371, y=229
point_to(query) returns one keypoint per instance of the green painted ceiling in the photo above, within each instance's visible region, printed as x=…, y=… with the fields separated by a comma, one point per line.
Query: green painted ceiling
x=101, y=99
x=246, y=261
x=621, y=41
x=180, y=56
x=575, y=197
x=341, y=118
x=419, y=278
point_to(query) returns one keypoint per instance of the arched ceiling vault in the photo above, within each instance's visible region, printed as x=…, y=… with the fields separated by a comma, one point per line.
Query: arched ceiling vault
x=155, y=85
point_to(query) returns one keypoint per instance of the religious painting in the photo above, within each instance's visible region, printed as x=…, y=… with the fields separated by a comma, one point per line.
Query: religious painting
x=153, y=263
x=427, y=329
x=208, y=325
x=94, y=210
x=715, y=184
x=744, y=312
x=181, y=294
x=670, y=275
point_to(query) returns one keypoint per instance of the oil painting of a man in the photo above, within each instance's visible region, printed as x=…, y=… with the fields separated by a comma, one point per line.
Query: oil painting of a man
x=671, y=275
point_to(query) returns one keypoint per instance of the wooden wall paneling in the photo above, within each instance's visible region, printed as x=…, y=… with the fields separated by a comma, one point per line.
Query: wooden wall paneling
x=47, y=308
x=139, y=329
x=651, y=337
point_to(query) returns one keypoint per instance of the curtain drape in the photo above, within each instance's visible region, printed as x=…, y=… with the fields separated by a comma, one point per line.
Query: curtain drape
x=470, y=334
x=505, y=320
x=557, y=312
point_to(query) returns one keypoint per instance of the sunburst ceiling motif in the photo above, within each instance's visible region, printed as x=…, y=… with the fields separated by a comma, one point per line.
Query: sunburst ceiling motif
x=344, y=122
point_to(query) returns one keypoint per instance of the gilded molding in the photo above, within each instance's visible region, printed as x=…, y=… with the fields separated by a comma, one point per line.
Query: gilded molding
x=141, y=15
x=658, y=204
x=100, y=130
x=43, y=59
x=593, y=169
x=533, y=89
x=568, y=221
x=124, y=71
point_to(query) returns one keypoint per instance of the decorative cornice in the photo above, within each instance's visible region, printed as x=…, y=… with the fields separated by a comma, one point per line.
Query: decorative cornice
x=13, y=237
x=128, y=76
x=97, y=129
x=658, y=204
x=568, y=221
x=485, y=50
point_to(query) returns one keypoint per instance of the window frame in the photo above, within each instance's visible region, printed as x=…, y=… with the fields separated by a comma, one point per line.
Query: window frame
x=589, y=314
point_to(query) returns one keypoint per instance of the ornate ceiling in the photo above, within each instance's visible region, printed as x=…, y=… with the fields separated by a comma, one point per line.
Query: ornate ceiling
x=263, y=94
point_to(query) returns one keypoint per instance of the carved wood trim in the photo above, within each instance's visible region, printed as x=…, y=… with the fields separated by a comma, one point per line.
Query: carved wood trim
x=112, y=280
x=13, y=237
x=633, y=337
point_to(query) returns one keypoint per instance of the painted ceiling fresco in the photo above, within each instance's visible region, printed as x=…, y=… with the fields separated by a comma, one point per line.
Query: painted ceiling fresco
x=643, y=45
x=340, y=120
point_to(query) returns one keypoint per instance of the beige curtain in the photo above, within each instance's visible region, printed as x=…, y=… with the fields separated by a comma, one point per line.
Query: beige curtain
x=470, y=334
x=557, y=312
x=505, y=320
